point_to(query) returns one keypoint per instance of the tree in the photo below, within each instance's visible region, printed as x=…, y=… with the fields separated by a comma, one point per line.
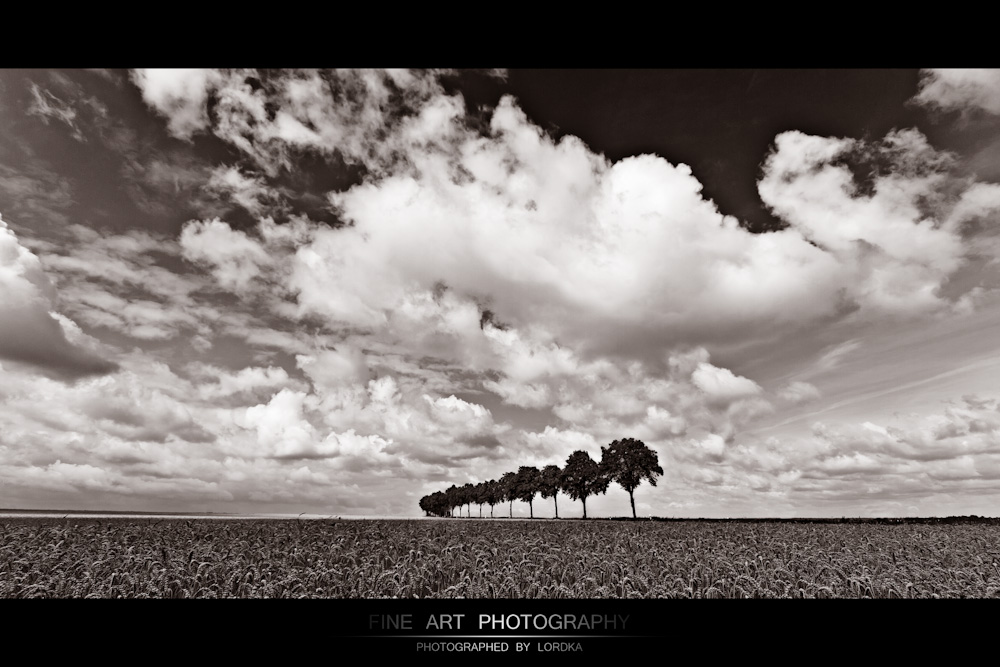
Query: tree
x=468, y=497
x=526, y=486
x=433, y=504
x=507, y=488
x=582, y=478
x=549, y=483
x=453, y=495
x=479, y=496
x=628, y=462
x=494, y=494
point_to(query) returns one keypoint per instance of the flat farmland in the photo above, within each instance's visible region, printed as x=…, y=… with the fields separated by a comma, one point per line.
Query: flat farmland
x=481, y=558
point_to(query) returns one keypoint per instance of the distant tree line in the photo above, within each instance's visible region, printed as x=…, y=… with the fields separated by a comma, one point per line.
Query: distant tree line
x=627, y=462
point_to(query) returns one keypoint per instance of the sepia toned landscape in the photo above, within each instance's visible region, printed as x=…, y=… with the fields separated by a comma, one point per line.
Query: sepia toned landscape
x=499, y=334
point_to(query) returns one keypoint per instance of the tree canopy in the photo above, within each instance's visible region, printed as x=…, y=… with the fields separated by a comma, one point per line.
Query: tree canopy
x=628, y=462
x=582, y=478
x=508, y=487
x=550, y=483
x=526, y=485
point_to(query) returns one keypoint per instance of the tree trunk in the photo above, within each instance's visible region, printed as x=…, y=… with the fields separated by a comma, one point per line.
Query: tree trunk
x=556, y=501
x=512, y=509
x=584, y=507
x=632, y=499
x=480, y=510
x=531, y=512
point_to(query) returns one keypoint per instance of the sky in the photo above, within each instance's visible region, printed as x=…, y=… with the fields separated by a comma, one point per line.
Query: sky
x=336, y=292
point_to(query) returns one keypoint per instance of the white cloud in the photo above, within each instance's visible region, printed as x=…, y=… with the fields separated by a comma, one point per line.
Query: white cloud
x=247, y=380
x=30, y=332
x=895, y=245
x=552, y=235
x=712, y=445
x=525, y=395
x=799, y=392
x=554, y=445
x=282, y=429
x=960, y=89
x=235, y=258
x=250, y=192
x=723, y=385
x=179, y=94
x=120, y=282
x=345, y=366
x=266, y=116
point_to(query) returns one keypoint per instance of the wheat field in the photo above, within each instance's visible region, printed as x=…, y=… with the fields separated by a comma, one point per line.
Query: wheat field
x=483, y=559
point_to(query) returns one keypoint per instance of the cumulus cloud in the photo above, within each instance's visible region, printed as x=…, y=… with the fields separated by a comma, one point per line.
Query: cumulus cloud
x=712, y=445
x=179, y=94
x=242, y=260
x=962, y=89
x=282, y=429
x=235, y=258
x=30, y=333
x=893, y=231
x=123, y=406
x=723, y=385
x=554, y=236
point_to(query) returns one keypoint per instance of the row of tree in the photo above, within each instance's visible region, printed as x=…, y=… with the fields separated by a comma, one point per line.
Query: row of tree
x=627, y=462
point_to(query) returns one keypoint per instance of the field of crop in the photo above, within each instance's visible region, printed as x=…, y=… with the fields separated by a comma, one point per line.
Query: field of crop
x=455, y=558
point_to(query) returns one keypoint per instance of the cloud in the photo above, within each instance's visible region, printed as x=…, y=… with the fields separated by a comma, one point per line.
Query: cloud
x=554, y=445
x=489, y=294
x=245, y=262
x=961, y=89
x=550, y=234
x=712, y=446
x=35, y=194
x=835, y=356
x=799, y=392
x=270, y=115
x=282, y=429
x=29, y=331
x=166, y=183
x=931, y=455
x=554, y=235
x=249, y=192
x=46, y=105
x=180, y=95
x=235, y=258
x=893, y=230
x=345, y=366
x=214, y=382
x=118, y=281
x=723, y=385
